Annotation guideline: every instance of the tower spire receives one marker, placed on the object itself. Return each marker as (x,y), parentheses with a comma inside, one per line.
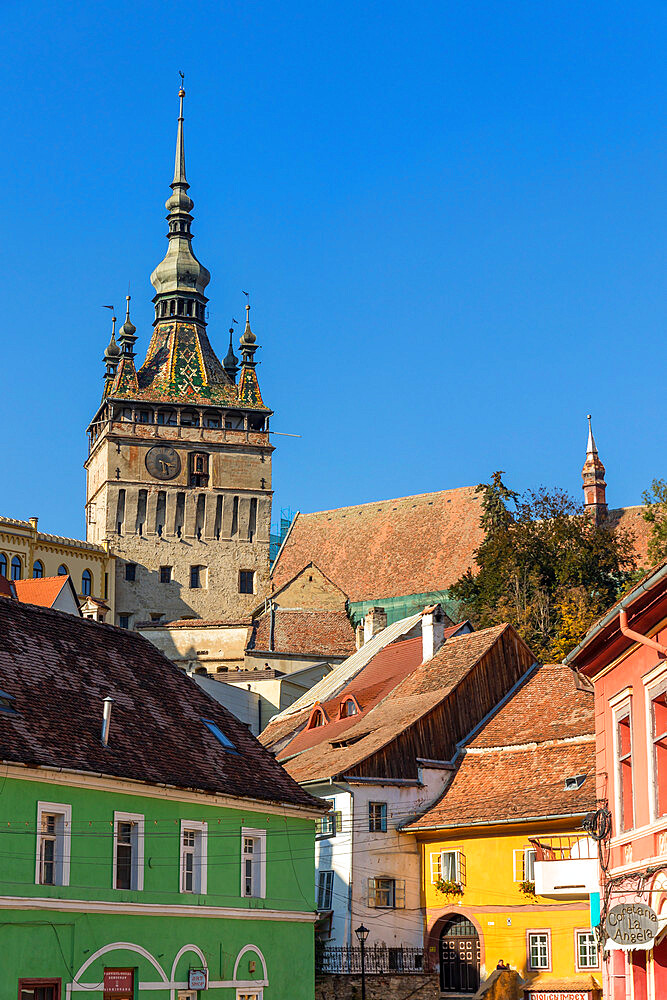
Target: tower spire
(179,280)
(231,362)
(594,485)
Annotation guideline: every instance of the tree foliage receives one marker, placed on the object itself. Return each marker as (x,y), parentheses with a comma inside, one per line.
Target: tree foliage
(656,514)
(544,566)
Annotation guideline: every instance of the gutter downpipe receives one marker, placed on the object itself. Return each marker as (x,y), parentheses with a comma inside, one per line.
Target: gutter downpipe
(637,636)
(649,584)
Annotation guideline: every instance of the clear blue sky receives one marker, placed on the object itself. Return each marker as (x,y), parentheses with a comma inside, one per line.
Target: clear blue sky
(451,218)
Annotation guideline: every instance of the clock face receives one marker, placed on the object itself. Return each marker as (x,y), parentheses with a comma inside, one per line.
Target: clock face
(163,462)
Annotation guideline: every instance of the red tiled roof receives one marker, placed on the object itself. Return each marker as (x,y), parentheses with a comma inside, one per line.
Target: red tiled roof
(60,667)
(196,623)
(377,679)
(412,545)
(306,631)
(516,765)
(42,592)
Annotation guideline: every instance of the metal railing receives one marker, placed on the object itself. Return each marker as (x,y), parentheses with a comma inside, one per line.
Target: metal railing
(377,959)
(571,847)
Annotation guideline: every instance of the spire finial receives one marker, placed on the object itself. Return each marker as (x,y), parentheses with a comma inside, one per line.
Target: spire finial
(179,165)
(231,362)
(591,448)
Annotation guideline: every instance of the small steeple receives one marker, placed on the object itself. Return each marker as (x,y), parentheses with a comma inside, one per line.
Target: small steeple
(111,358)
(127,331)
(248,342)
(594,485)
(231,362)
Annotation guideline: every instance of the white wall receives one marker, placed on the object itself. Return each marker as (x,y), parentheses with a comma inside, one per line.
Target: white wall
(242,703)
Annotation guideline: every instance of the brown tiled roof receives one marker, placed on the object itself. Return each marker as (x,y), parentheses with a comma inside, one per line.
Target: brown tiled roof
(547,706)
(412,545)
(43,591)
(424,688)
(631,519)
(306,631)
(516,765)
(60,667)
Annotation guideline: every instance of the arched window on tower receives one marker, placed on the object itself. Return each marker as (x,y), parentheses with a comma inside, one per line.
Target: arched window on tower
(167,417)
(16,568)
(63,570)
(86,583)
(3,564)
(37,569)
(189,418)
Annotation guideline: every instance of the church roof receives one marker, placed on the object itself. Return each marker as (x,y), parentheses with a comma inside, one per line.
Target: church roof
(412,545)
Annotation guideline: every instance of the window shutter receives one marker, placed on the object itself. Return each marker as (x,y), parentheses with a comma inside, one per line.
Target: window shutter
(461,867)
(435,866)
(338,821)
(372,897)
(399,893)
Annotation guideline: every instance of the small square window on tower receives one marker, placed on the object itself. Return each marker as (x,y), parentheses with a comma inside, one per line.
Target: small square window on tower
(246,581)
(165,574)
(130,571)
(198,468)
(197,577)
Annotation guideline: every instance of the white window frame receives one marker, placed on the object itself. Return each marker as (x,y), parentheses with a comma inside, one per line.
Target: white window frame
(199,875)
(520,855)
(621,706)
(260,837)
(436,864)
(63,852)
(655,684)
(326,890)
(591,933)
(249,994)
(541,932)
(137,849)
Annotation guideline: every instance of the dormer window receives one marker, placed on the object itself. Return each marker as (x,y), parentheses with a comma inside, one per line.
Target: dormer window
(348,707)
(317,718)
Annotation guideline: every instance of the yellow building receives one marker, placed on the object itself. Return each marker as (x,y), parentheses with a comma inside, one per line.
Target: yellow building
(26,553)
(506,867)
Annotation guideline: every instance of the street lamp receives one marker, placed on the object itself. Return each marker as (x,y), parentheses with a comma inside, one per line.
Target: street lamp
(362,933)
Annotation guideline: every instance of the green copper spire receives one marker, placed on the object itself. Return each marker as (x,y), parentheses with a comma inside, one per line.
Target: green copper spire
(180,276)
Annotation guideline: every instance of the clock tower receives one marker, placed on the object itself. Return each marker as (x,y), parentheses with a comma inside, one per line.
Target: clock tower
(179,463)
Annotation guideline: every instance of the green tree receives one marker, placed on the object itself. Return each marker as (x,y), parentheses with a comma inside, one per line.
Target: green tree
(656,515)
(544,566)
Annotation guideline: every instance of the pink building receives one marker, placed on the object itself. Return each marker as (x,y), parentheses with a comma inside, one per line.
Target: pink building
(624,655)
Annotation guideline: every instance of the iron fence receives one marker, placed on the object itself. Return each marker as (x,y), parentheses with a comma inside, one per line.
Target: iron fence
(378,959)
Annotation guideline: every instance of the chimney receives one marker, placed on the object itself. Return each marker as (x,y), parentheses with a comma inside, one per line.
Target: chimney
(374,622)
(359,635)
(433,631)
(106,720)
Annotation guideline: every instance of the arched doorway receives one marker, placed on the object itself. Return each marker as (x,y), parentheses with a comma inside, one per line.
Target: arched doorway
(459,956)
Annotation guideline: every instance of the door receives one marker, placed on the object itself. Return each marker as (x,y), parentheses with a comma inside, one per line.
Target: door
(459,956)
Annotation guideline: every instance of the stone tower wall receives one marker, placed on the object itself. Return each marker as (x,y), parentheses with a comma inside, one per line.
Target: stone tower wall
(225,525)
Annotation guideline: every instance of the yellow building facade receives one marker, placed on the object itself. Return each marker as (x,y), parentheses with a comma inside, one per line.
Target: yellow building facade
(507,869)
(26,553)
(544,939)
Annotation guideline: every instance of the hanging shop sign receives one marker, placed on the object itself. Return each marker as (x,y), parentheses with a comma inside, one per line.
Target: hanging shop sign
(198,979)
(631,927)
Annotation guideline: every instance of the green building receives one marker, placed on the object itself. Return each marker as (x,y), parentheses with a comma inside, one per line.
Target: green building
(150,846)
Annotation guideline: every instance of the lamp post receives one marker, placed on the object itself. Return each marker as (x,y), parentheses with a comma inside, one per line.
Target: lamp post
(362,933)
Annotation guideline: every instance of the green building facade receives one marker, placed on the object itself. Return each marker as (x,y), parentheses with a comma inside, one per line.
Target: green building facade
(63,938)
